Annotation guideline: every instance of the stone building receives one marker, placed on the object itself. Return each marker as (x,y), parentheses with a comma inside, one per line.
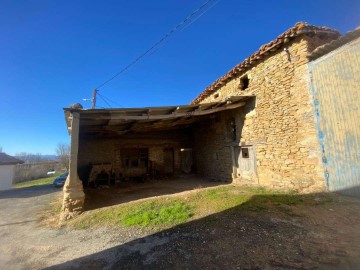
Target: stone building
(278,131)
(255,125)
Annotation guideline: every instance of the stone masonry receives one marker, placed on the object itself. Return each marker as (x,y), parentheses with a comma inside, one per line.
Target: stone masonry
(281,127)
(109,150)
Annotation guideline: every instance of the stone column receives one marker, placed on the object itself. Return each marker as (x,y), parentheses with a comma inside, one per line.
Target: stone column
(73,189)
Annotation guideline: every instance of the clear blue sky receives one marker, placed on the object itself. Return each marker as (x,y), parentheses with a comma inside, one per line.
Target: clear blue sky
(53,53)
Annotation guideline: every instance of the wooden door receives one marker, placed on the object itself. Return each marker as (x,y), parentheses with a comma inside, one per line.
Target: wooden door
(244,161)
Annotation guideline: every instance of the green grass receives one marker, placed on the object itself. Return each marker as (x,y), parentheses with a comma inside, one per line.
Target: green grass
(152,213)
(218,199)
(168,211)
(37,182)
(247,198)
(217,193)
(157,213)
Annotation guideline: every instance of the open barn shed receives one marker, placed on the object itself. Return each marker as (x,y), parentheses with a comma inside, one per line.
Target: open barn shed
(111,146)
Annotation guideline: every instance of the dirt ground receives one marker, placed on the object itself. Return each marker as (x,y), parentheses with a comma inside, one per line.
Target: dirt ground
(323,236)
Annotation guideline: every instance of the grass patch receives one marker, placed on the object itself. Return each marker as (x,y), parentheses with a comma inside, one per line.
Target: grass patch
(165,212)
(258,190)
(37,182)
(217,193)
(153,213)
(156,213)
(244,197)
(218,199)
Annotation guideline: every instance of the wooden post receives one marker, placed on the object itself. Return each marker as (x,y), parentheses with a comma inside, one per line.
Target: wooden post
(93,100)
(73,189)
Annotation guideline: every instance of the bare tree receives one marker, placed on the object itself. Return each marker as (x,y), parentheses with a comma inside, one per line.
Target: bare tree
(63,153)
(1,150)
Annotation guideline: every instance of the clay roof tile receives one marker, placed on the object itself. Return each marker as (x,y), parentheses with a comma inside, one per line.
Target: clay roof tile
(300,28)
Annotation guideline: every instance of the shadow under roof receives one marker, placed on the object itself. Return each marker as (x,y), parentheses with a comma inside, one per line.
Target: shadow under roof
(120,121)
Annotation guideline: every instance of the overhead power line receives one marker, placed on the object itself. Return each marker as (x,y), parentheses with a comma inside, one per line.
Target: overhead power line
(167,35)
(103,98)
(108,101)
(198,17)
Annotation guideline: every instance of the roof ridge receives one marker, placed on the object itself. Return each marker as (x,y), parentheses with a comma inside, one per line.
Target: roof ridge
(6,159)
(334,44)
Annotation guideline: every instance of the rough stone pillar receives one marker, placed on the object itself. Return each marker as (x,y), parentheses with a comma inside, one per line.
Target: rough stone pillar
(73,189)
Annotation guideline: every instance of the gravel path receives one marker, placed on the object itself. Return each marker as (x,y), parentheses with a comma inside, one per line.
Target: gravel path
(25,244)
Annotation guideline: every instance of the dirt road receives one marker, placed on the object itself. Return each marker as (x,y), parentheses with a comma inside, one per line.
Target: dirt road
(326,236)
(25,244)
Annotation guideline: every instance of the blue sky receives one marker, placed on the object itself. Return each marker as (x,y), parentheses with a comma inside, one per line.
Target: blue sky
(53,53)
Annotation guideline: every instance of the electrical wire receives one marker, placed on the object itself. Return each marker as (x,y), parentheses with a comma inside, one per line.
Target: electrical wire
(104,99)
(160,46)
(198,17)
(110,100)
(156,43)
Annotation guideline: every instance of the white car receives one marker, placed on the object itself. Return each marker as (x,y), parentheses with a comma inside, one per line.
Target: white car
(51,172)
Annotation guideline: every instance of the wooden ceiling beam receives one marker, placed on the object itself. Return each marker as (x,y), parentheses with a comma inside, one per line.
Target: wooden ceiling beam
(219,107)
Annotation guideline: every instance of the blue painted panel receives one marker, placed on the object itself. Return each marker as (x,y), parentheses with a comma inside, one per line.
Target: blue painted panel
(335,85)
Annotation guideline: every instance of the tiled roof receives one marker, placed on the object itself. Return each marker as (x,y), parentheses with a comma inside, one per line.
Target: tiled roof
(324,49)
(9,160)
(300,28)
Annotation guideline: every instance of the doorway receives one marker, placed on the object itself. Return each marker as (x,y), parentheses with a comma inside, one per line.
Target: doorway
(245,165)
(186,160)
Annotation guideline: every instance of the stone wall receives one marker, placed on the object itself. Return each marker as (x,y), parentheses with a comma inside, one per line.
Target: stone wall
(213,142)
(281,127)
(108,150)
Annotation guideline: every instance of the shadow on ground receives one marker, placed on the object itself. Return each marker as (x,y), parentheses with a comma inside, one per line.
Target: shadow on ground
(18,223)
(266,232)
(126,192)
(28,192)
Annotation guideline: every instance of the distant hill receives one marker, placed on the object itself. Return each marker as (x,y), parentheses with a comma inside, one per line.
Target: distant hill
(50,157)
(33,158)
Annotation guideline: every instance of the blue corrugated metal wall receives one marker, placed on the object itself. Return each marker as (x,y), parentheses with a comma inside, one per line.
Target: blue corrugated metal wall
(335,83)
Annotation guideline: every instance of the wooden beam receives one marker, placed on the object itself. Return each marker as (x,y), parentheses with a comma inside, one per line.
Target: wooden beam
(219,107)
